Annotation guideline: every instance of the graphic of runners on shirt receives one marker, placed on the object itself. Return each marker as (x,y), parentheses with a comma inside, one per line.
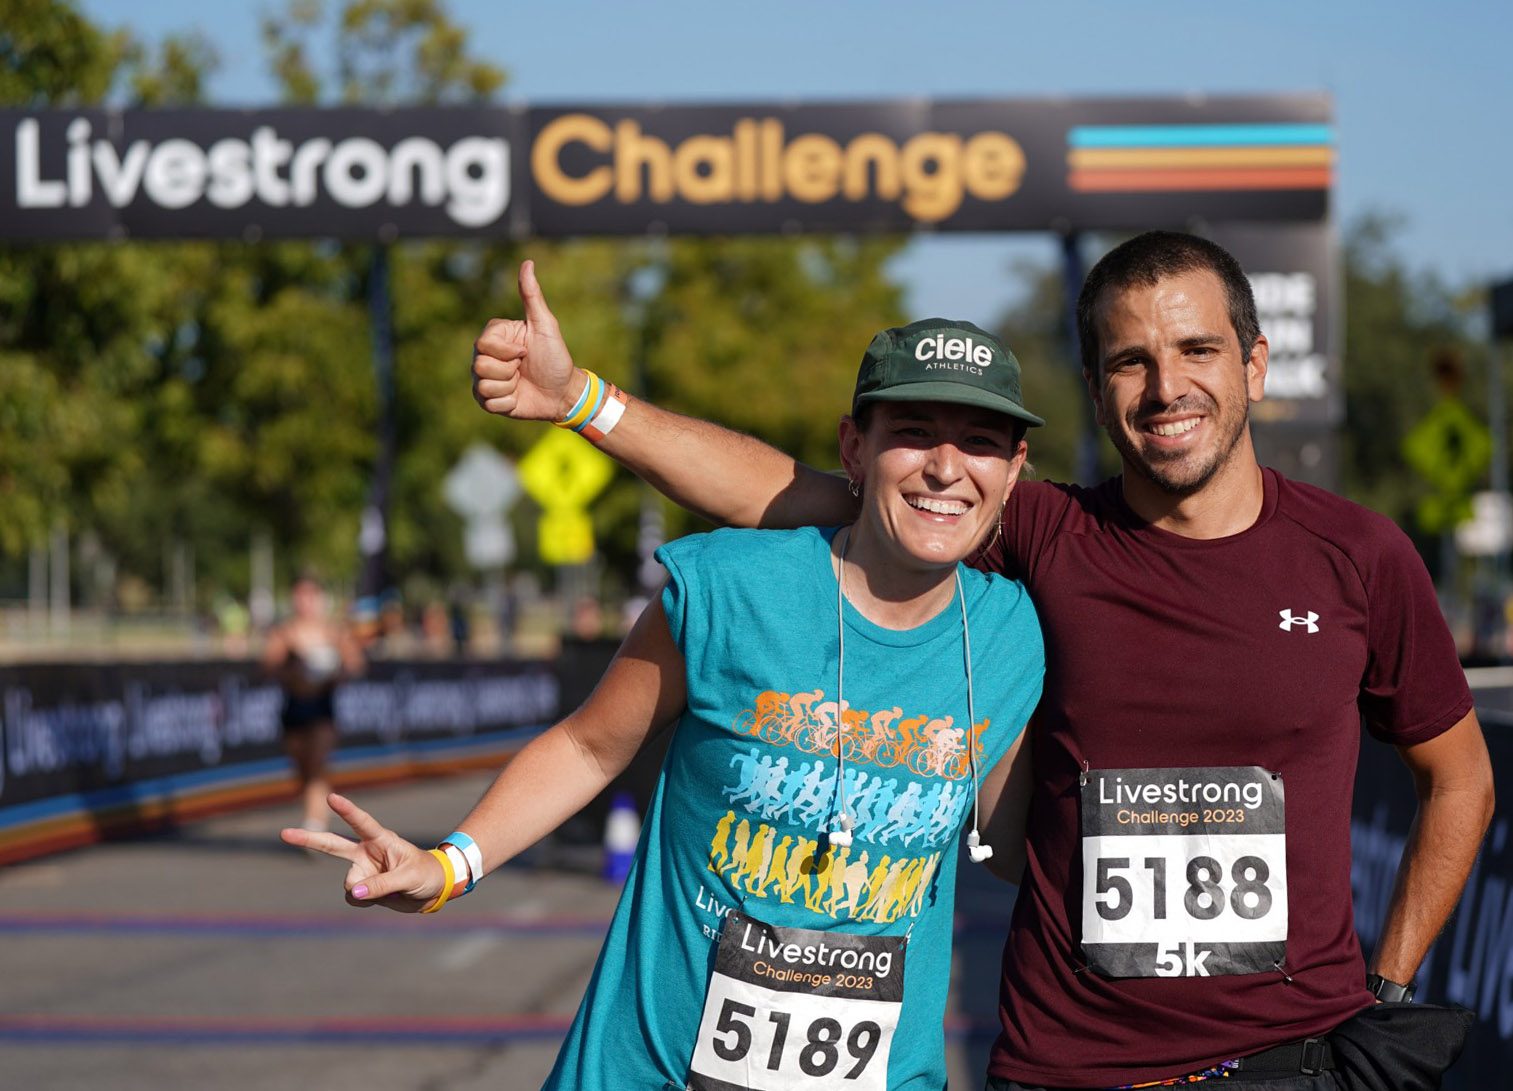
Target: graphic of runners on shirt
(906,785)
(841,883)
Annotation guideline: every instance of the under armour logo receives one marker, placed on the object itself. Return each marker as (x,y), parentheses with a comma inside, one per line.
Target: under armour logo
(1309,619)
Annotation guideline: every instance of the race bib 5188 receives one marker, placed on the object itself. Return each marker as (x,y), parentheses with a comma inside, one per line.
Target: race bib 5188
(1184,871)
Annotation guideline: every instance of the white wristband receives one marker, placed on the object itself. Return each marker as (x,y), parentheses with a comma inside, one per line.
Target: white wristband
(471,854)
(464,880)
(608,416)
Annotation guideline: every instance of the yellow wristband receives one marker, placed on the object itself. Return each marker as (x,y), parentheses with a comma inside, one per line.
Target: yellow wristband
(593,394)
(449,880)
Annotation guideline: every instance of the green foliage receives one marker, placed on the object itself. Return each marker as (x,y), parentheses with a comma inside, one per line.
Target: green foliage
(196,394)
(765,335)
(153,395)
(1035,329)
(388,52)
(1396,323)
(95,424)
(50,55)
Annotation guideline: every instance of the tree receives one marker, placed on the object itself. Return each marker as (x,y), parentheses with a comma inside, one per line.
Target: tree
(84,396)
(765,335)
(192,395)
(1035,329)
(1397,321)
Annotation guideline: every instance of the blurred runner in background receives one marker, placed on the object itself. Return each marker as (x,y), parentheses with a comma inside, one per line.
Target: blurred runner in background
(308,654)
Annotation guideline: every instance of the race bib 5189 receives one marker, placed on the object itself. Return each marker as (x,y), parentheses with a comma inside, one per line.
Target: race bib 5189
(794,1009)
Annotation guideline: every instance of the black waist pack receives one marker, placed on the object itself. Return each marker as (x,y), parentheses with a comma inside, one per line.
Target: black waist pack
(1399,1047)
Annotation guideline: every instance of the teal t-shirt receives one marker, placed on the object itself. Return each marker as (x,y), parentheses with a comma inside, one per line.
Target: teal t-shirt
(749,787)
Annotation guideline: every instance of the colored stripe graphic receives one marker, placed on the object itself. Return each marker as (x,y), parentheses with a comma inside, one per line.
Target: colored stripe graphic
(1166,180)
(1196,136)
(400,1031)
(1290,156)
(232,1030)
(293,926)
(1194,158)
(315,926)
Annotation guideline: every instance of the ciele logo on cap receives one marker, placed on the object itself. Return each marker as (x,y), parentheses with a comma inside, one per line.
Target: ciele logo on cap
(966,350)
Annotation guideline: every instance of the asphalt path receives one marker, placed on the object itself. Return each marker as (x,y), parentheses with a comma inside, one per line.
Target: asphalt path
(219,957)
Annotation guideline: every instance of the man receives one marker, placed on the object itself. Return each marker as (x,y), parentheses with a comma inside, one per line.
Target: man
(1215,635)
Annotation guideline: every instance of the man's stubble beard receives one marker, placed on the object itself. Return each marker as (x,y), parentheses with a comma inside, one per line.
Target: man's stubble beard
(1171,484)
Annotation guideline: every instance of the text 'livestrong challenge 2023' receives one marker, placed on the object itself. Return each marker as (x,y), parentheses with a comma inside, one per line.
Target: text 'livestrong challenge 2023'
(798,1008)
(1184,871)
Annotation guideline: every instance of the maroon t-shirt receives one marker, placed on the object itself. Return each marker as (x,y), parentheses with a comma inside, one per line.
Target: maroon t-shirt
(1265,649)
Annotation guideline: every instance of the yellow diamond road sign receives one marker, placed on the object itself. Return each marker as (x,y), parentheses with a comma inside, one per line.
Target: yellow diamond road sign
(1450,449)
(565,536)
(563,471)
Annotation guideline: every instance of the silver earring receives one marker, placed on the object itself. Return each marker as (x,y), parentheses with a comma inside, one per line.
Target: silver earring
(855,487)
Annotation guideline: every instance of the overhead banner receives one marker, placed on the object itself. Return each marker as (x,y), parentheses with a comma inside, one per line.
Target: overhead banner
(629,169)
(251,174)
(960,166)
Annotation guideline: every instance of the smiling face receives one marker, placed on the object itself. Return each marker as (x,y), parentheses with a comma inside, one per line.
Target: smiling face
(935,477)
(1172,386)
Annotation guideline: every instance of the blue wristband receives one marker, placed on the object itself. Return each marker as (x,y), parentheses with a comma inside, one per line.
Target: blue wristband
(577,406)
(470,852)
(594,412)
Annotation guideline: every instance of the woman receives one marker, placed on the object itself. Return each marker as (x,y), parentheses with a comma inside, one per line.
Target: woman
(790,906)
(308,655)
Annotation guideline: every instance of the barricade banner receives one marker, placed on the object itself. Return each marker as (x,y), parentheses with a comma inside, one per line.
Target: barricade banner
(1471,964)
(88,750)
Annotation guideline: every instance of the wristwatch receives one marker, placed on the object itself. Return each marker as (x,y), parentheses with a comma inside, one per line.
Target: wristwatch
(1390,992)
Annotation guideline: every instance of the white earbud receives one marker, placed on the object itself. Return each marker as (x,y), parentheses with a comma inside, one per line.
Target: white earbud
(977,852)
(841,834)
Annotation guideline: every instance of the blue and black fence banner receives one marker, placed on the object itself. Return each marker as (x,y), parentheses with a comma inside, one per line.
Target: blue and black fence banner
(91,751)
(1471,964)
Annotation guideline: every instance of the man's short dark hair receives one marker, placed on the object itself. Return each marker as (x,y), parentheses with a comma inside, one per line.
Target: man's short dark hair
(1152,257)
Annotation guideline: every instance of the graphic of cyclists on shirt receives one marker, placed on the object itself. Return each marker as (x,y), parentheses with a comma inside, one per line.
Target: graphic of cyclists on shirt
(932,746)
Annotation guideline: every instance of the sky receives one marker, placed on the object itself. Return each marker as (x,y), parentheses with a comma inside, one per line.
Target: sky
(1421,92)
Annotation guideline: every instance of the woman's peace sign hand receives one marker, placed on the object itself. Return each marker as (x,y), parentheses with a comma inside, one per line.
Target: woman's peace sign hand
(384,869)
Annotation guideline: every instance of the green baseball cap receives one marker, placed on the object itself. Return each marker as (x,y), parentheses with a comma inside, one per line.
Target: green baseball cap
(940,360)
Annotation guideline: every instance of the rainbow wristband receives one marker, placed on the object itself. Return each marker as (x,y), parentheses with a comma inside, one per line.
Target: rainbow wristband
(471,853)
(449,879)
(588,404)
